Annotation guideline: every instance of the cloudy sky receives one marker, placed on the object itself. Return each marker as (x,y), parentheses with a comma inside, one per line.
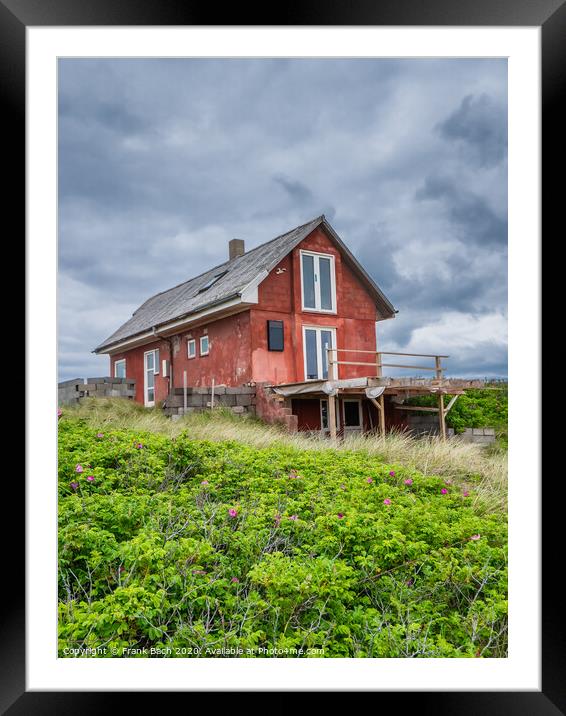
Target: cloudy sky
(161,162)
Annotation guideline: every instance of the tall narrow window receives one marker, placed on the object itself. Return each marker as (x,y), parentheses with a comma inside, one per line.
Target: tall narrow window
(318,282)
(325,268)
(120,368)
(309,298)
(204,345)
(149,378)
(311,351)
(316,342)
(191,348)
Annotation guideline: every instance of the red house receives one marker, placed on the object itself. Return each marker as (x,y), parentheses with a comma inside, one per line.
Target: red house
(266,316)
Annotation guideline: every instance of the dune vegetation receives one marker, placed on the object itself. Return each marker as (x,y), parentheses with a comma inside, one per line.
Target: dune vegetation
(215,535)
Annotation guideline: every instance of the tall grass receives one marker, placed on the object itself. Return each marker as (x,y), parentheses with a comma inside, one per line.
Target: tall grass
(466,464)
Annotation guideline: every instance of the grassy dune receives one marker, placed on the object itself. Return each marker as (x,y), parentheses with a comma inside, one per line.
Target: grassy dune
(217,536)
(454,459)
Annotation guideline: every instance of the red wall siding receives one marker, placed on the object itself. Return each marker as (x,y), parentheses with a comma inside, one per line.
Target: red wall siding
(229,358)
(134,368)
(307,412)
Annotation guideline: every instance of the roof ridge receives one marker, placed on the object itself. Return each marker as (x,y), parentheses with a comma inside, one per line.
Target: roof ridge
(230,261)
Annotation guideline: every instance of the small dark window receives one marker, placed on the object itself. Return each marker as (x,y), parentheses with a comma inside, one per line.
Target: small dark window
(275,335)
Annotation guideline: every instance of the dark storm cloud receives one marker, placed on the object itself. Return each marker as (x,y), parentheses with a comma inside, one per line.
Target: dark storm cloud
(480,126)
(162,162)
(469,213)
(296,190)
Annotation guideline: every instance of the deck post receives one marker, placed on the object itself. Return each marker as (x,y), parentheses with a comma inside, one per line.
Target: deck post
(441,416)
(438,366)
(332,363)
(382,414)
(332,416)
(378,364)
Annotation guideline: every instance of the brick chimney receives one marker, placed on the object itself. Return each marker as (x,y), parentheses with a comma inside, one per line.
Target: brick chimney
(236,248)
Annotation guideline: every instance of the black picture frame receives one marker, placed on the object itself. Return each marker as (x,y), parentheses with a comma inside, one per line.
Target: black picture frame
(550,15)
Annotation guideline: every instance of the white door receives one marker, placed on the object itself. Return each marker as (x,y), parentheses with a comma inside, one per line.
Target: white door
(352,415)
(149,379)
(315,344)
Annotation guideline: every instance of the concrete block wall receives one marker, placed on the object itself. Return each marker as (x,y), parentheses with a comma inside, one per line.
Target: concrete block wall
(72,391)
(240,400)
(483,436)
(428,424)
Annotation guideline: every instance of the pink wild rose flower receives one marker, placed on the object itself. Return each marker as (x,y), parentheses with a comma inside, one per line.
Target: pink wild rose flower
(232,512)
(386,501)
(408,481)
(90,478)
(444,491)
(79,468)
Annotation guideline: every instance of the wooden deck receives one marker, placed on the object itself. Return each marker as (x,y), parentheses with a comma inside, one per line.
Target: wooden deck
(375,387)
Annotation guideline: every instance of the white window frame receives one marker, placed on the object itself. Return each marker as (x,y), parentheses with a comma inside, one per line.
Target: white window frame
(146,402)
(116,364)
(318,330)
(354,428)
(317,308)
(337,413)
(194,355)
(201,339)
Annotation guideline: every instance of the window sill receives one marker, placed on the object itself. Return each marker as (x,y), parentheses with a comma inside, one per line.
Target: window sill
(319,310)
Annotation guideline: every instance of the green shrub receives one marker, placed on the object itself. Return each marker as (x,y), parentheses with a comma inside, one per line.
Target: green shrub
(474,409)
(195,548)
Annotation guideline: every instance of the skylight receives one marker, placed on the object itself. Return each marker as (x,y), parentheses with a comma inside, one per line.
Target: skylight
(211,282)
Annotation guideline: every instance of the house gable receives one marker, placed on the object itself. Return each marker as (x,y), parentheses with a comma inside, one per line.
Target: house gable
(280,298)
(232,285)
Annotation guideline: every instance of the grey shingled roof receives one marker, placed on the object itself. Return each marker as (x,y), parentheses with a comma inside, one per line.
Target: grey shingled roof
(185,299)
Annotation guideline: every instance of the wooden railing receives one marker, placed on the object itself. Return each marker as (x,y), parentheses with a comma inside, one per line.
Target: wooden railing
(378,364)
